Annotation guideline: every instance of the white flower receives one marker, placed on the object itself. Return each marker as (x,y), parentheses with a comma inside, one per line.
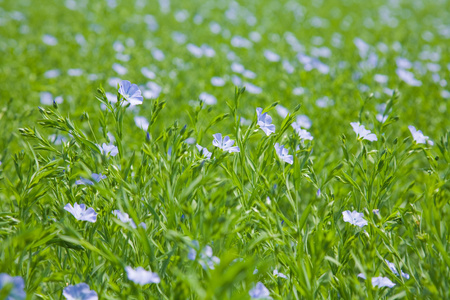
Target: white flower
(148,73)
(153,90)
(381,118)
(121,70)
(278,274)
(321,52)
(408,77)
(46,98)
(259,292)
(109,149)
(52,73)
(151,22)
(249,74)
(49,40)
(237,67)
(382,282)
(303,121)
(403,63)
(288,67)
(217,81)
(141,122)
(190,140)
(362,46)
(354,218)
(283,154)
(236,80)
(215,27)
(226,144)
(264,122)
(324,102)
(252,89)
(75,72)
(118,46)
(380,78)
(271,56)
(114,81)
(255,36)
(141,276)
(80,212)
(158,54)
(419,137)
(208,51)
(195,50)
(130,92)
(282,111)
(298,91)
(204,151)
(123,57)
(240,42)
(362,132)
(111,97)
(208,98)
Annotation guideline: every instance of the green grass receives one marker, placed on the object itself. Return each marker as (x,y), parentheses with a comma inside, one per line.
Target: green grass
(254,210)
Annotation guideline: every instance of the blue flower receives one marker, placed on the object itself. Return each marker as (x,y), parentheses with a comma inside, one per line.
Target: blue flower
(84,181)
(278,274)
(206,259)
(226,144)
(382,282)
(264,122)
(125,218)
(141,276)
(363,133)
(80,213)
(98,177)
(354,218)
(303,134)
(283,154)
(259,292)
(394,270)
(109,149)
(17,286)
(131,92)
(80,291)
(204,151)
(361,275)
(419,137)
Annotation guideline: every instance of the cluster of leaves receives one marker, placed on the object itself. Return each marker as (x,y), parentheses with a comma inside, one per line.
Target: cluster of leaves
(251,208)
(254,210)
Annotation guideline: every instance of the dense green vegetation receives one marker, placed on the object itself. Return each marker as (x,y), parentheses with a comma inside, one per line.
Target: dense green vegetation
(229,225)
